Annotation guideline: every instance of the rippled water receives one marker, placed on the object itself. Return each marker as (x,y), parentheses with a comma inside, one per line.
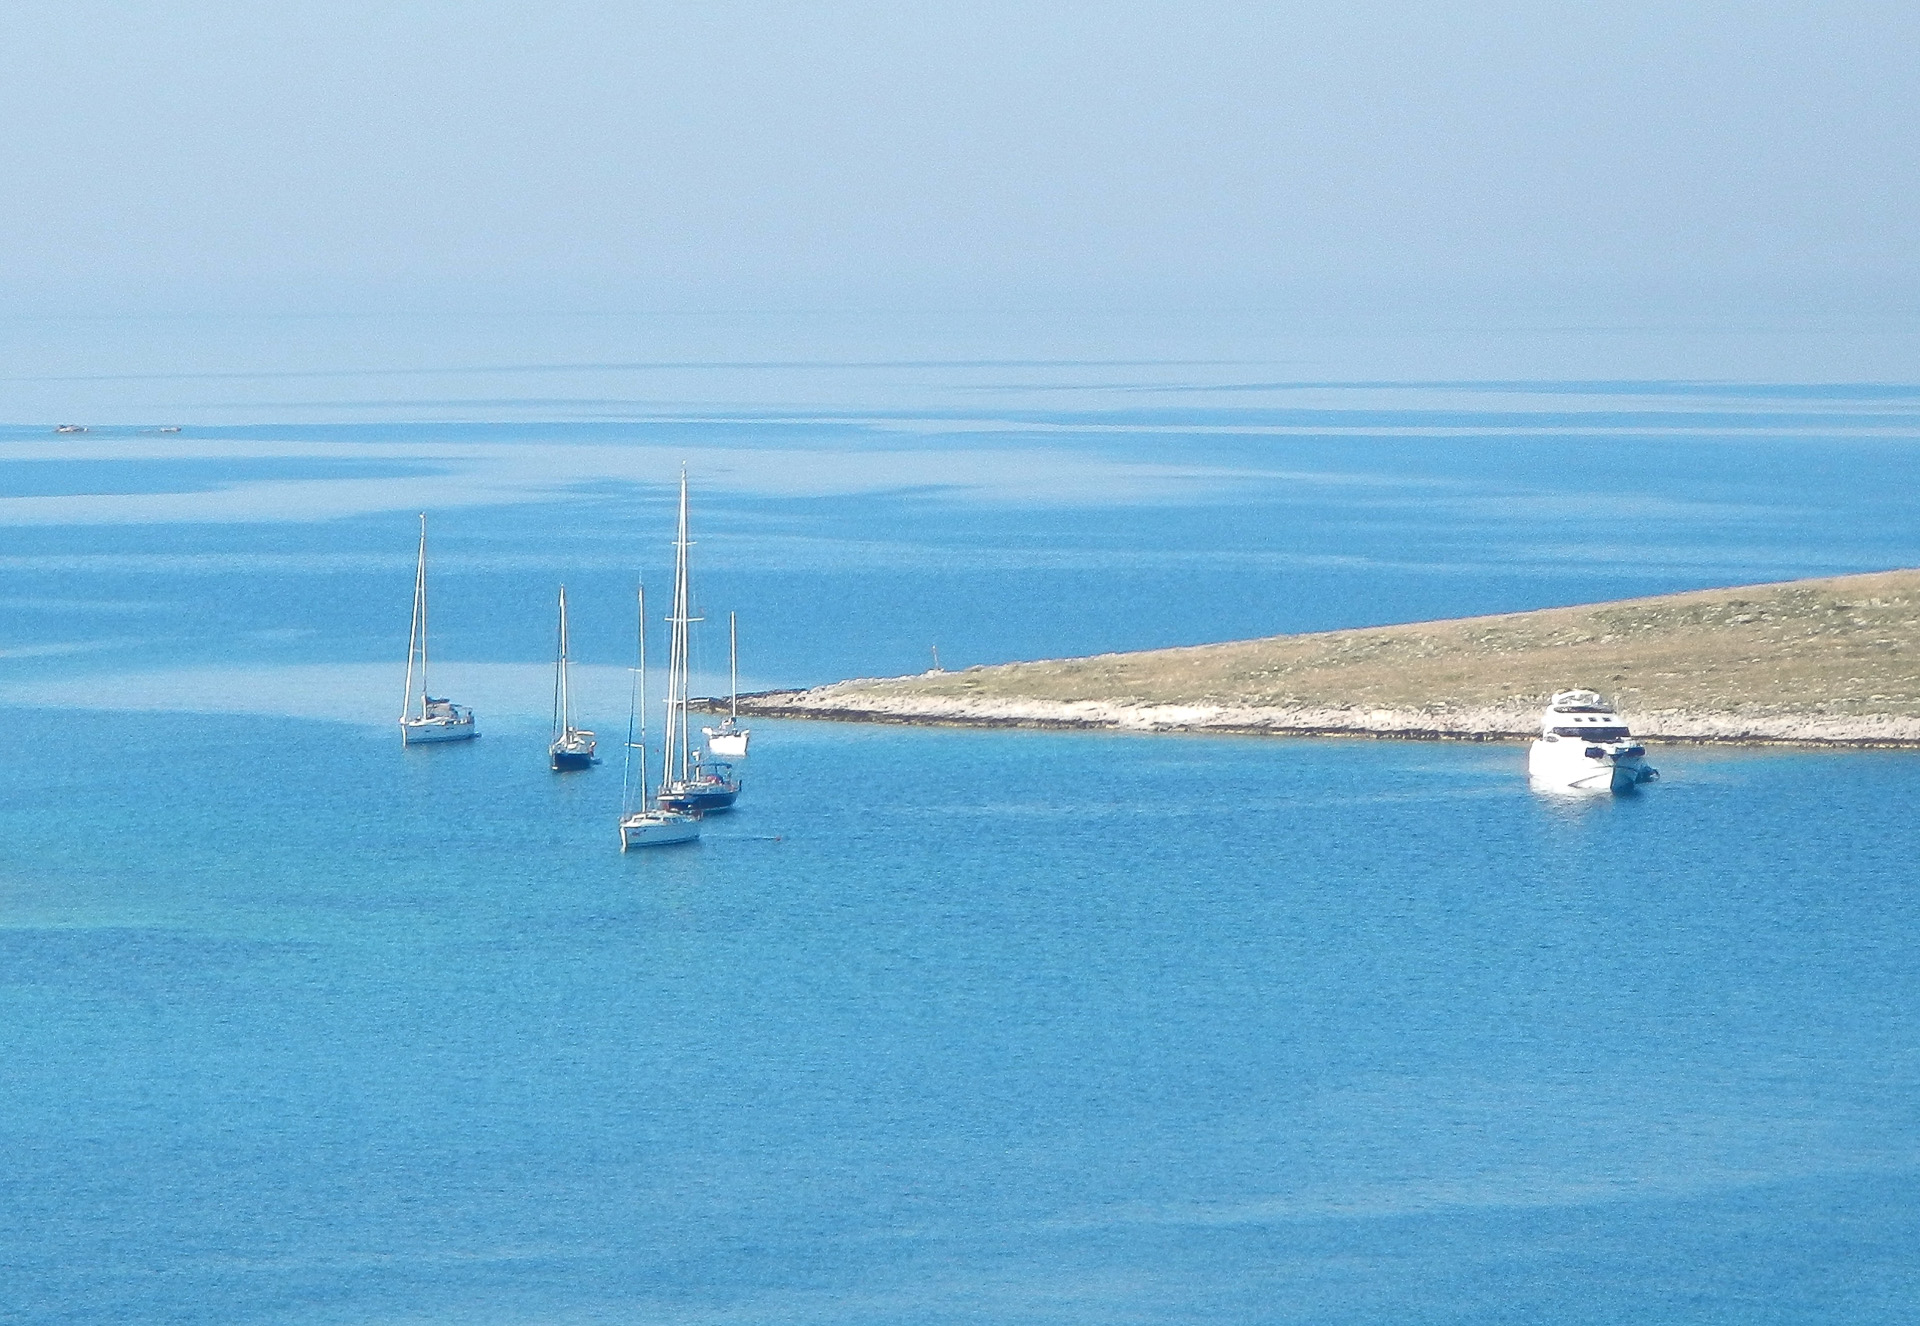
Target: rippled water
(941,1026)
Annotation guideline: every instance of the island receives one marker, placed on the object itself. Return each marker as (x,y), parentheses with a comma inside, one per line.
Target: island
(1831,662)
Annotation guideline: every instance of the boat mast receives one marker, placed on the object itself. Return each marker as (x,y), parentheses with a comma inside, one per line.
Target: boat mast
(637,713)
(562,708)
(733,664)
(422,574)
(675,742)
(642,648)
(417,633)
(687,761)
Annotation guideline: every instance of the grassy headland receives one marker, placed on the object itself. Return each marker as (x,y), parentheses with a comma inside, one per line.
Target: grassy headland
(1833,661)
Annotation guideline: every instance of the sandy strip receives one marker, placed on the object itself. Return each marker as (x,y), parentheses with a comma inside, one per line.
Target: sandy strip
(851,702)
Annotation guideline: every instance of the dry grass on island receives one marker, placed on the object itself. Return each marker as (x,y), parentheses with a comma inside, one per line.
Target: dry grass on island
(1817,661)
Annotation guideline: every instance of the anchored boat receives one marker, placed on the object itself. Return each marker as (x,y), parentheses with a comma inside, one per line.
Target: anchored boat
(436,719)
(1584,746)
(640,824)
(730,739)
(572,746)
(688,782)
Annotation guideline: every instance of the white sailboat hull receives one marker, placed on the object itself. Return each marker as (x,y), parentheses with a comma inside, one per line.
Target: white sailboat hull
(730,744)
(424,731)
(654,828)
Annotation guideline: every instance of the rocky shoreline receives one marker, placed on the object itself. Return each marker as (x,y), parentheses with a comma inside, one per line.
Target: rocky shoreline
(1827,662)
(850,702)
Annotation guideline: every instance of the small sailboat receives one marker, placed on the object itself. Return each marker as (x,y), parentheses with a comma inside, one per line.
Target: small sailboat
(640,824)
(572,746)
(687,781)
(730,739)
(436,719)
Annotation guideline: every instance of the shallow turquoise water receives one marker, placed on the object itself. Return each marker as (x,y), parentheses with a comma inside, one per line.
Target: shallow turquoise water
(941,1026)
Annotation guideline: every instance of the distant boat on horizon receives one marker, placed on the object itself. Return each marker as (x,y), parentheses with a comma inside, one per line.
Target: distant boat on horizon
(687,782)
(572,747)
(437,720)
(642,825)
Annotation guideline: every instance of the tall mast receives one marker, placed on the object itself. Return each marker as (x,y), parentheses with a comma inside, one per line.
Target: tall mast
(675,743)
(686,633)
(641,591)
(422,577)
(637,712)
(733,663)
(562,708)
(417,632)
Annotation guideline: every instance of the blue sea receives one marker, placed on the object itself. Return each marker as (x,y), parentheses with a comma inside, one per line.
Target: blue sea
(941,1026)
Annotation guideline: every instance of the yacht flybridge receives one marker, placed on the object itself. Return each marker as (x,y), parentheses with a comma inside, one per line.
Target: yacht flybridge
(572,747)
(1584,746)
(434,719)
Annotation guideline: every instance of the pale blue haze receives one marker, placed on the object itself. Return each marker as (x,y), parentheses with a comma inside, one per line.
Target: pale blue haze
(1654,161)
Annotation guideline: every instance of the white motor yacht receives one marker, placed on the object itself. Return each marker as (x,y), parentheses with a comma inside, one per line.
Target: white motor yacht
(1584,746)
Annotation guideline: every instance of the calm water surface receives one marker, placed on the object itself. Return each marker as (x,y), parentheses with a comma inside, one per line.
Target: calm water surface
(953,1026)
(300,1027)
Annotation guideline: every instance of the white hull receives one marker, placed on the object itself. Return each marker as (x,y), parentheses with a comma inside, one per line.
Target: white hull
(1563,766)
(730,744)
(424,731)
(653,828)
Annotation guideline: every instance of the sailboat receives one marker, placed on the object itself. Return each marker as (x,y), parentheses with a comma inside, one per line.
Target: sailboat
(641,825)
(436,719)
(687,782)
(572,747)
(730,739)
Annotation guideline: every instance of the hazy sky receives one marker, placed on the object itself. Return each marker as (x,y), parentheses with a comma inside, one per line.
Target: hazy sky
(737,155)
